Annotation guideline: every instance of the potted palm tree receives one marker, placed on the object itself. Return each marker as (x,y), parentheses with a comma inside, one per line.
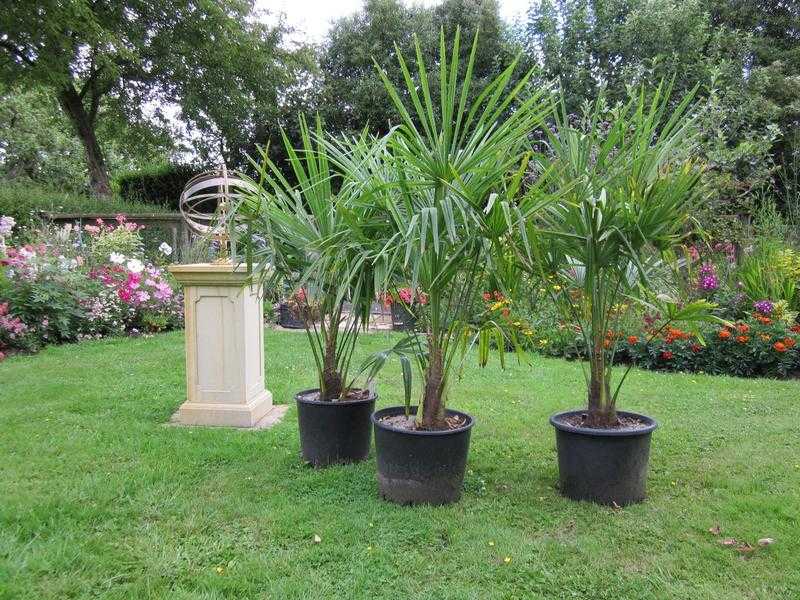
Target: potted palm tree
(298,222)
(627,188)
(446,162)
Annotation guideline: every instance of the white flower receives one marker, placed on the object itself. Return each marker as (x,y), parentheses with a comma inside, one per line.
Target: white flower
(165,249)
(6,225)
(135,265)
(117,258)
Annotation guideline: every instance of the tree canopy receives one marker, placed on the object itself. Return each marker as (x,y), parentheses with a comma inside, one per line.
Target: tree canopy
(223,67)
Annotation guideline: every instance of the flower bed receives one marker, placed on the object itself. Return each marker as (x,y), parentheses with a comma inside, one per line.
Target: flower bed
(74,284)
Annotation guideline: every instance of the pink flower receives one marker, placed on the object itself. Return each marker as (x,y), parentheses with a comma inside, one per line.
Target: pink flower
(163,291)
(133,281)
(120,219)
(142,296)
(125,295)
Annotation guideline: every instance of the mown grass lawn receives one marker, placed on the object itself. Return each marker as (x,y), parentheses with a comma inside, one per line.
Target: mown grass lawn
(99,499)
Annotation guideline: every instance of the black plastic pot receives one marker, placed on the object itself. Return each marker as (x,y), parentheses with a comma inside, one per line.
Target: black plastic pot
(287,319)
(402,318)
(607,466)
(420,467)
(334,432)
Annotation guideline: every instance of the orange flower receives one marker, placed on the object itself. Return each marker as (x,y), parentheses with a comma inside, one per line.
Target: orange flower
(789,342)
(779,346)
(724,334)
(696,347)
(506,312)
(743,328)
(607,344)
(632,339)
(795,329)
(743,339)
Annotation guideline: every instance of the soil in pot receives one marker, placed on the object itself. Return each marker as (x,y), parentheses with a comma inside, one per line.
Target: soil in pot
(607,466)
(335,432)
(420,466)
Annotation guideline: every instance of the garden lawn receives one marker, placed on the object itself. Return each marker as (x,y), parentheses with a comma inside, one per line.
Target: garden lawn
(99,498)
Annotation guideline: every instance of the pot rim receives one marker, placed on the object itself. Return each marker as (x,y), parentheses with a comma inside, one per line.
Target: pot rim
(393,409)
(299,399)
(652,424)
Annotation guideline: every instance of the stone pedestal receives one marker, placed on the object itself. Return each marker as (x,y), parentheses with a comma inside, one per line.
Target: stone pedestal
(224,347)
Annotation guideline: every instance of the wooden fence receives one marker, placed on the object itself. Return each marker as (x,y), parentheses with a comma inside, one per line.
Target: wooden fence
(177,234)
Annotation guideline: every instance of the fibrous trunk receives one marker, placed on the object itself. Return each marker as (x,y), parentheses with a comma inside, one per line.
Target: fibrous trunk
(432,405)
(331,384)
(601,411)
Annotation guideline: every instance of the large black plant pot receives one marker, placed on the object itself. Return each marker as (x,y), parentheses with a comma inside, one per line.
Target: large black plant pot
(607,466)
(287,318)
(420,467)
(334,432)
(402,318)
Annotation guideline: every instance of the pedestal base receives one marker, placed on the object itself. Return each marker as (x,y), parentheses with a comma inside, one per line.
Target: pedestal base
(225,415)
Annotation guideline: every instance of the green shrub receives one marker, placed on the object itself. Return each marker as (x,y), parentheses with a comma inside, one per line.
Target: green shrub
(160,185)
(772,272)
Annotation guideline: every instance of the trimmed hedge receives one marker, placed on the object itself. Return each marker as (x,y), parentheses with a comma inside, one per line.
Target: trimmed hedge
(160,185)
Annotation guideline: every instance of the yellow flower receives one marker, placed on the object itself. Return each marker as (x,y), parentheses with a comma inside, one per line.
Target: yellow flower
(557,288)
(496,306)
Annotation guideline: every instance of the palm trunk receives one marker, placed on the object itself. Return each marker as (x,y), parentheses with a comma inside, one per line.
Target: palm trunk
(601,413)
(72,103)
(331,384)
(432,405)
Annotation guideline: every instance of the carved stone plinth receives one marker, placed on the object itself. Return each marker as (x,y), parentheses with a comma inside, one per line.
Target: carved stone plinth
(224,347)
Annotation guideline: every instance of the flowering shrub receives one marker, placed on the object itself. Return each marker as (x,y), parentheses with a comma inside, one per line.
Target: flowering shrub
(106,239)
(405,295)
(61,289)
(754,347)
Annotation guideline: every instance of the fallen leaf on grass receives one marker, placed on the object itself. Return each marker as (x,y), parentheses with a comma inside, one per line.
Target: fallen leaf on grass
(728,542)
(765,541)
(715,530)
(744,548)
(317,539)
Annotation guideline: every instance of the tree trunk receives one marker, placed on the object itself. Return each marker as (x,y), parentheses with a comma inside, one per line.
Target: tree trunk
(331,378)
(600,414)
(84,124)
(432,408)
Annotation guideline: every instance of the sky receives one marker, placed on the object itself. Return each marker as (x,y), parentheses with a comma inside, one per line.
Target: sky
(312,18)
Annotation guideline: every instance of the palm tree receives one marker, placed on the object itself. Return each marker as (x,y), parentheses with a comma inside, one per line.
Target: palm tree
(299,224)
(444,167)
(627,191)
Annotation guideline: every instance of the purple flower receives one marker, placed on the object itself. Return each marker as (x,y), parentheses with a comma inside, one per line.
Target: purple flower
(764,307)
(707,278)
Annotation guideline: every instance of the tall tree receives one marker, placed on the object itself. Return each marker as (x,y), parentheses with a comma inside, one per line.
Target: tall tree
(113,56)
(353,95)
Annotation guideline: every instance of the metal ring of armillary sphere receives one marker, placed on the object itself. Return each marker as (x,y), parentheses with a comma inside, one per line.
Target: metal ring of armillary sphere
(206,201)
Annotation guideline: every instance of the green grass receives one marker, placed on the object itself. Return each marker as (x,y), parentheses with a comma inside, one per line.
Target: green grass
(99,499)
